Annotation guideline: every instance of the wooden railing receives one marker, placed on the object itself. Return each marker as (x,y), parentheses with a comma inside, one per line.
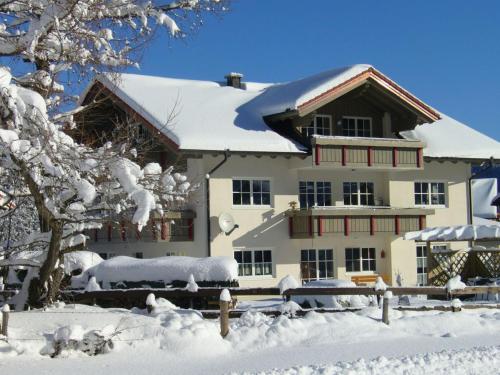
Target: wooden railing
(317,222)
(173,227)
(381,153)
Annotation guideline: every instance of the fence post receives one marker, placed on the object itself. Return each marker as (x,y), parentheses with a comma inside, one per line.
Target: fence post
(385,307)
(225,299)
(5,319)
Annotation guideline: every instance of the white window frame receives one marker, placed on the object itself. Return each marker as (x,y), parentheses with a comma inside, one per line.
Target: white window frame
(361,259)
(358,193)
(356,127)
(314,126)
(315,192)
(317,263)
(253,263)
(423,275)
(443,246)
(252,205)
(429,194)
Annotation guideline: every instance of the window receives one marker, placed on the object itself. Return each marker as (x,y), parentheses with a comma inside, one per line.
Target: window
(359,194)
(320,125)
(422,262)
(429,194)
(357,126)
(139,255)
(103,255)
(170,254)
(315,193)
(360,259)
(251,192)
(254,262)
(316,264)
(421,265)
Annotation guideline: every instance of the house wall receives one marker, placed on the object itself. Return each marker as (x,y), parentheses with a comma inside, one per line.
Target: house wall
(267,227)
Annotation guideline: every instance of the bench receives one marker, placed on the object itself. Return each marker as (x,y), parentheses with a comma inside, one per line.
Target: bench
(368,279)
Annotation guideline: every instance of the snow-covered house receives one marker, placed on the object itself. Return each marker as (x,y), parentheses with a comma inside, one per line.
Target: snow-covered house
(318,178)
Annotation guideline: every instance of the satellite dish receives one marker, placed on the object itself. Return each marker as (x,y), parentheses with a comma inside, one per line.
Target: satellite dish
(226,223)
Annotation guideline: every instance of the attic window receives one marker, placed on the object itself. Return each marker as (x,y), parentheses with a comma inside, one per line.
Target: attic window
(357,126)
(320,125)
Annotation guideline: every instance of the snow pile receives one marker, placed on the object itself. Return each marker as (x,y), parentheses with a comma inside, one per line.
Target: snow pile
(379,284)
(288,282)
(459,232)
(482,360)
(191,284)
(166,269)
(455,283)
(331,301)
(290,308)
(80,260)
(193,345)
(456,303)
(93,285)
(225,296)
(67,333)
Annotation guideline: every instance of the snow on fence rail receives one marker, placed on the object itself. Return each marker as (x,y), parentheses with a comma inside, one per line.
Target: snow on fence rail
(215,292)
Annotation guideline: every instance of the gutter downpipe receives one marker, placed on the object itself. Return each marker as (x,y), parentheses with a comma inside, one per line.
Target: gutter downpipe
(209,229)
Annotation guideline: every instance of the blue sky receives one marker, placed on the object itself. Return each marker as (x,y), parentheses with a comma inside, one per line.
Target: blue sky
(446,52)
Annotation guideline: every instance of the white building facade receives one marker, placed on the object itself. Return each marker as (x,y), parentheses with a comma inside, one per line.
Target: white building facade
(322,176)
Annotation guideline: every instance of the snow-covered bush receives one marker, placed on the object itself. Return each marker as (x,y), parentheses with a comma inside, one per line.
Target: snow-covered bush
(74,338)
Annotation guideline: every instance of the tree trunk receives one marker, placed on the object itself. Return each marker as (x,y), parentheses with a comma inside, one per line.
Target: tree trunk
(43,288)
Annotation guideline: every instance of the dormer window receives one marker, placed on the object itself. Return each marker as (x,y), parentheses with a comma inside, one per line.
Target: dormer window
(320,125)
(357,126)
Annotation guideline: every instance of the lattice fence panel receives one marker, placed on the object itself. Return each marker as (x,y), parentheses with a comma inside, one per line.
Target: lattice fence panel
(490,261)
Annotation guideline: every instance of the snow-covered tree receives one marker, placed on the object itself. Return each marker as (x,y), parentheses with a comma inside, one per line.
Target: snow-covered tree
(72,186)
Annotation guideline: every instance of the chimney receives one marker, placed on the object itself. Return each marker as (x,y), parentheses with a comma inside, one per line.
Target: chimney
(234,80)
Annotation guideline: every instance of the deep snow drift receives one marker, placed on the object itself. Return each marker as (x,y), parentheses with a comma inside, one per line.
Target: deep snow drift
(176,341)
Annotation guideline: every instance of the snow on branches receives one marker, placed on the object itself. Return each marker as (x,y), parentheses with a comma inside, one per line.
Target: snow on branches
(84,35)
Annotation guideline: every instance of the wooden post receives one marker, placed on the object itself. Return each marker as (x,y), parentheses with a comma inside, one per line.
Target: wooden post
(373,225)
(420,158)
(224,300)
(344,155)
(320,226)
(395,157)
(317,154)
(385,309)
(5,319)
(347,226)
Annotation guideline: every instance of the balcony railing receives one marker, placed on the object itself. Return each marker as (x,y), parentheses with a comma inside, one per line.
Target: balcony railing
(175,226)
(331,221)
(381,153)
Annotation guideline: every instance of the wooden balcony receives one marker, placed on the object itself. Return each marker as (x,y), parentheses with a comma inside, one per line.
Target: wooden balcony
(370,153)
(174,226)
(344,221)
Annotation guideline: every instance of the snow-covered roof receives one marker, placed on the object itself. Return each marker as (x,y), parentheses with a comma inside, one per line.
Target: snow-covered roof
(210,116)
(281,97)
(202,115)
(456,233)
(449,138)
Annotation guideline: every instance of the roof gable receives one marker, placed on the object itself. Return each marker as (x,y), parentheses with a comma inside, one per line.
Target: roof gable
(310,93)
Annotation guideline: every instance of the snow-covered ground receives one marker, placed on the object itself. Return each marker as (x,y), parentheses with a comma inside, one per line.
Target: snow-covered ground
(174,341)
